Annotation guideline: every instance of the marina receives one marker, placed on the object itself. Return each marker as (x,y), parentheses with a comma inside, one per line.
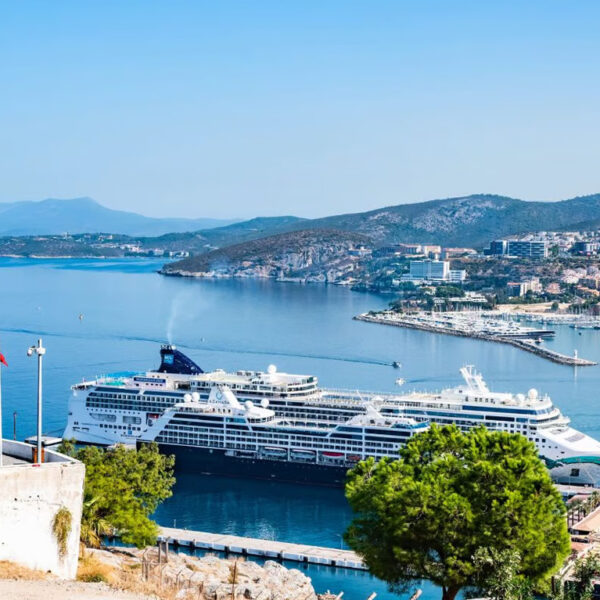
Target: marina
(232,544)
(478,327)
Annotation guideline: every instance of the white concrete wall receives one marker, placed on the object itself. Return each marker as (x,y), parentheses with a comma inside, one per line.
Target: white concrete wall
(30,497)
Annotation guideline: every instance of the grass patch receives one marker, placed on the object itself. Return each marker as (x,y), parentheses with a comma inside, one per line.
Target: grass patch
(92,570)
(10,570)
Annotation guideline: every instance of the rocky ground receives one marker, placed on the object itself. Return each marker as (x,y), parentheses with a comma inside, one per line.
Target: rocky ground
(130,574)
(211,577)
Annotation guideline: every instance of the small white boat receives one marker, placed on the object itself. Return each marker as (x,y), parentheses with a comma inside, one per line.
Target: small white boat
(400,381)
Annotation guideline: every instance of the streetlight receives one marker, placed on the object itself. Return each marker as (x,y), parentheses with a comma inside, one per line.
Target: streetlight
(39,350)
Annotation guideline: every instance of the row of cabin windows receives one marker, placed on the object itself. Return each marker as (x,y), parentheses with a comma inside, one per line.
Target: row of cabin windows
(218,442)
(126,427)
(232,433)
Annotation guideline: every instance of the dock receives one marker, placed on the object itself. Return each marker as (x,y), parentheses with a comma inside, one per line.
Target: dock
(270,549)
(527,345)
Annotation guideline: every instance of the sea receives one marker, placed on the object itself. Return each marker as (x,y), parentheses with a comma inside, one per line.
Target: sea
(97,317)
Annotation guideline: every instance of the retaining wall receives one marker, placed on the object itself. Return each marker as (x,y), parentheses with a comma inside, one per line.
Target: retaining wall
(30,497)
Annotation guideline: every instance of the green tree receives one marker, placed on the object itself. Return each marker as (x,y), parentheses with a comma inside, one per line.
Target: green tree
(450,494)
(123,487)
(449,291)
(580,585)
(497,575)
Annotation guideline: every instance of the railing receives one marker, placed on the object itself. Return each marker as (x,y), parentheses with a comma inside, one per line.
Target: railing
(579,510)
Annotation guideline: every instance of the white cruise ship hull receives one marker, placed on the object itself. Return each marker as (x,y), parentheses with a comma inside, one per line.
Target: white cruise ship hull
(123,409)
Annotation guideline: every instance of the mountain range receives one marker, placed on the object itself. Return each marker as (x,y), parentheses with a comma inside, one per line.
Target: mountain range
(84,215)
(466,221)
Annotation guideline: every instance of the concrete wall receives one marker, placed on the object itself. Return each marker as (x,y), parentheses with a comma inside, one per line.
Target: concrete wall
(30,497)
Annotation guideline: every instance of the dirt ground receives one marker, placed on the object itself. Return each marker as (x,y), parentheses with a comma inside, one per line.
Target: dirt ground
(542,307)
(62,590)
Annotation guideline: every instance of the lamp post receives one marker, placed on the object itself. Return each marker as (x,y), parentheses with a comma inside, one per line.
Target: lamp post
(38,350)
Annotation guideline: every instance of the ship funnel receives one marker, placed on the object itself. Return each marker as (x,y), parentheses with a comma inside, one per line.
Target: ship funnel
(175,361)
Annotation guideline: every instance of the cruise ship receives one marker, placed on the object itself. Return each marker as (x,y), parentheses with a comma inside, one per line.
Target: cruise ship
(222,436)
(124,408)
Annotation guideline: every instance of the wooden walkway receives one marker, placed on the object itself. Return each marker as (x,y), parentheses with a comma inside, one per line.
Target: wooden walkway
(263,548)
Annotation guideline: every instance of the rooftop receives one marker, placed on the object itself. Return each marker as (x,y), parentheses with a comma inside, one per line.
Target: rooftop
(7,460)
(19,454)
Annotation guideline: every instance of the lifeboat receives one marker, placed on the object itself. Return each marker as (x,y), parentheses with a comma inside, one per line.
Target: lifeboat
(303,453)
(275,452)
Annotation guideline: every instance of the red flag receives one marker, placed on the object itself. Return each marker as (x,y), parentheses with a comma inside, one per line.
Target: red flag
(3,360)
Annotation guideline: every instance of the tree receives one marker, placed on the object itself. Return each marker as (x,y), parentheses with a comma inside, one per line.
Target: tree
(450,494)
(449,291)
(497,575)
(580,585)
(123,487)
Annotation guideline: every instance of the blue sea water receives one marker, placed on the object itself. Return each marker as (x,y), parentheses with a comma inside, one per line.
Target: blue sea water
(128,309)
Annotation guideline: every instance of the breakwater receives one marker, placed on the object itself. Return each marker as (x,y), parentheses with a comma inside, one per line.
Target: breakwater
(527,345)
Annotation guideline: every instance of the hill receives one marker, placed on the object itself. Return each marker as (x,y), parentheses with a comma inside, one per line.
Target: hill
(84,215)
(209,239)
(313,255)
(466,221)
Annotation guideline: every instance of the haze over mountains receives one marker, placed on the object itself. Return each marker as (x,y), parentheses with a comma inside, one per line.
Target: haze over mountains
(84,215)
(467,221)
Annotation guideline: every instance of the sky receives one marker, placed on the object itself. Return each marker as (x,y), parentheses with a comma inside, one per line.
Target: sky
(237,109)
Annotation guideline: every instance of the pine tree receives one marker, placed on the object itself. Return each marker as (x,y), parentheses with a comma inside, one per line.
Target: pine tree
(450,494)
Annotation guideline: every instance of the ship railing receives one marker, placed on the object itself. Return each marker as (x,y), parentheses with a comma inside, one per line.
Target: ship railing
(360,394)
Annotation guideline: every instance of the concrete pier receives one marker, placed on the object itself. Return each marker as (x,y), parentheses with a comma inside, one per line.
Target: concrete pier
(528,346)
(262,548)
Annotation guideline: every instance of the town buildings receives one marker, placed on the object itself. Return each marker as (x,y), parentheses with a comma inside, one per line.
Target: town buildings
(433,271)
(520,288)
(536,249)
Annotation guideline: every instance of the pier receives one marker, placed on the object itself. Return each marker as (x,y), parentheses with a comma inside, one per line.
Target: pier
(270,549)
(527,345)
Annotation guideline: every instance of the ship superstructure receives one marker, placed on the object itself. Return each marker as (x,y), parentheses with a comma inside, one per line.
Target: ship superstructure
(223,436)
(122,409)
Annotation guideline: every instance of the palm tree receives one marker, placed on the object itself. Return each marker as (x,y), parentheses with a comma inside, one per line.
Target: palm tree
(93,526)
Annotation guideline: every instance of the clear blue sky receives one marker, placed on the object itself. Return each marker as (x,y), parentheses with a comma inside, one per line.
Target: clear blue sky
(235,109)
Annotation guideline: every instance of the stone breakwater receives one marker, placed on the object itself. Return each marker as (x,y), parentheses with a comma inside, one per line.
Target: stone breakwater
(208,577)
(527,345)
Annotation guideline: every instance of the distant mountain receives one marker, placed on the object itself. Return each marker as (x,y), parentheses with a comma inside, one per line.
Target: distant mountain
(84,215)
(209,239)
(466,221)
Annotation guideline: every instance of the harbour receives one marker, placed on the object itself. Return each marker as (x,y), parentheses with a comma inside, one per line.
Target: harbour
(222,324)
(462,325)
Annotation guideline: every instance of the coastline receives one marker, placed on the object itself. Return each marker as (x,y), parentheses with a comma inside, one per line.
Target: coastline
(257,277)
(528,346)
